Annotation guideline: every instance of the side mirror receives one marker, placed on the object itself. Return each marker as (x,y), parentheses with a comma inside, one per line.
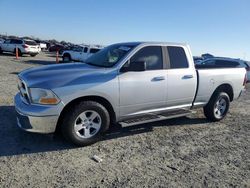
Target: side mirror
(135,66)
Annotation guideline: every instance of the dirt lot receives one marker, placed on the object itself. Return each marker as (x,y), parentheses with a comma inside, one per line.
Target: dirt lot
(181,152)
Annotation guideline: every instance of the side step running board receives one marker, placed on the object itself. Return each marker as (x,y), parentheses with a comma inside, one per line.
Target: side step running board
(148,118)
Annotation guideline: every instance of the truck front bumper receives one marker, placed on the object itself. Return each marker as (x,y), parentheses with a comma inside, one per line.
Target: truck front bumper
(36,118)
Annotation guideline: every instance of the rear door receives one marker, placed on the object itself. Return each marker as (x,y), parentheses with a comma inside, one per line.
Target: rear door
(83,55)
(182,78)
(146,90)
(76,53)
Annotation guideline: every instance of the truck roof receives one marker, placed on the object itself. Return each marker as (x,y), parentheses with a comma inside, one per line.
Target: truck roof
(154,43)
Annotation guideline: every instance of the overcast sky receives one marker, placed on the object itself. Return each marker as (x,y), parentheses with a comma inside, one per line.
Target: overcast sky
(220,27)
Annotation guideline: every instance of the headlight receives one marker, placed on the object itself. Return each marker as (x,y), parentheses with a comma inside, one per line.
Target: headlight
(43,96)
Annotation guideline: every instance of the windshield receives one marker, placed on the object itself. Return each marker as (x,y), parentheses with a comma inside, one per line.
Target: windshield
(109,56)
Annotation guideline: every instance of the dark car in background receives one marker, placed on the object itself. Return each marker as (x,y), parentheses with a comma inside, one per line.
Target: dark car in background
(222,62)
(197,59)
(56,47)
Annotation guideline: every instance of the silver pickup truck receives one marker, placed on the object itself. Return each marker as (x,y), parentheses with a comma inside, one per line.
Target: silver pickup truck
(127,83)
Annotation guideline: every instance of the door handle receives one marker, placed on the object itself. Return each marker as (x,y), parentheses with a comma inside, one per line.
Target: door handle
(158,78)
(187,76)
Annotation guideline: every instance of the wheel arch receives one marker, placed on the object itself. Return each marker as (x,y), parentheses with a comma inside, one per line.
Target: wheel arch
(98,99)
(227,88)
(67,54)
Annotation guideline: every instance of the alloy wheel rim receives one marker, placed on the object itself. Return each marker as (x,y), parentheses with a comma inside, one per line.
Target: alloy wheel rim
(87,124)
(220,107)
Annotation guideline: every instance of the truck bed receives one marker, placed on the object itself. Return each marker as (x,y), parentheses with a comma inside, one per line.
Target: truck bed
(210,78)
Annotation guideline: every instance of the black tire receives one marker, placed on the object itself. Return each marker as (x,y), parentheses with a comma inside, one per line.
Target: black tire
(66,58)
(1,51)
(70,120)
(33,55)
(19,52)
(211,110)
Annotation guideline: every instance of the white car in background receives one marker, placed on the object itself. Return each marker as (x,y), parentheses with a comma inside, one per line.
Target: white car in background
(80,53)
(22,45)
(43,45)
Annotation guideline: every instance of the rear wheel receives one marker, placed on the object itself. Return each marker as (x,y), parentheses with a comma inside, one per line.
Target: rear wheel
(1,51)
(217,107)
(85,123)
(33,55)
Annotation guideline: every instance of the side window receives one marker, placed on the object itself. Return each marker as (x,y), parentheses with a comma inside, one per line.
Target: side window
(13,41)
(85,50)
(77,49)
(177,57)
(19,41)
(16,41)
(94,50)
(152,55)
(7,41)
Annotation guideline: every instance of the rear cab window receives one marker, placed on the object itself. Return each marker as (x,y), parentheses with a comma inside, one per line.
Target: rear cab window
(177,57)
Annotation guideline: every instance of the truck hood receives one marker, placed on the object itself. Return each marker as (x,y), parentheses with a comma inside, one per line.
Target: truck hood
(54,76)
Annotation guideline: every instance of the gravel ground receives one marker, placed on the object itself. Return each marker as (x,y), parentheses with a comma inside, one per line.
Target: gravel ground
(184,152)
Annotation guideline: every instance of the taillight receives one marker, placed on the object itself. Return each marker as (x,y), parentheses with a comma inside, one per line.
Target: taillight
(25,46)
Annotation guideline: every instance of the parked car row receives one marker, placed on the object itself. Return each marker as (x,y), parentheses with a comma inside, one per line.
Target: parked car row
(69,51)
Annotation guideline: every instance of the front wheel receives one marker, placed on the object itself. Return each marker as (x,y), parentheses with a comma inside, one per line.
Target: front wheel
(85,123)
(66,58)
(217,107)
(33,55)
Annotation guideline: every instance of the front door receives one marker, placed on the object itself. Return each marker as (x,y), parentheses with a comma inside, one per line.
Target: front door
(6,46)
(143,91)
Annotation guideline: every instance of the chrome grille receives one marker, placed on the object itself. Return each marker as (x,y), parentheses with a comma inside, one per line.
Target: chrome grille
(23,91)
